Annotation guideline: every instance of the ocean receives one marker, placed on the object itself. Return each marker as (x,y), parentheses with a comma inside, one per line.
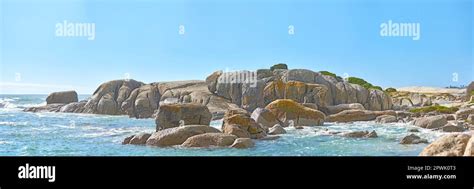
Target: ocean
(70,134)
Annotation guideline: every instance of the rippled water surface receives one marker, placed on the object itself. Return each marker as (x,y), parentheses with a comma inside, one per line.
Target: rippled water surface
(58,134)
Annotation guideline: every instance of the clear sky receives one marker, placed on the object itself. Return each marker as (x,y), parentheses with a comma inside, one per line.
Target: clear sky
(142,39)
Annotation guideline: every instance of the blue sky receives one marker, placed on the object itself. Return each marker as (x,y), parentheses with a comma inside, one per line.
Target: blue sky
(142,38)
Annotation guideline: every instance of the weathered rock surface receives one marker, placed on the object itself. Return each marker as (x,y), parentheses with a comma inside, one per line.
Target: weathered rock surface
(469,147)
(431,122)
(386,119)
(63,97)
(177,135)
(108,97)
(74,107)
(172,115)
(264,117)
(240,124)
(137,139)
(448,145)
(357,115)
(341,107)
(286,109)
(210,139)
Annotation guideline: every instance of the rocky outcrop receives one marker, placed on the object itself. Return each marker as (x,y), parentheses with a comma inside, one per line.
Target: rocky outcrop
(448,145)
(209,140)
(174,115)
(431,122)
(413,139)
(108,97)
(357,115)
(243,143)
(286,110)
(450,127)
(300,85)
(63,97)
(178,135)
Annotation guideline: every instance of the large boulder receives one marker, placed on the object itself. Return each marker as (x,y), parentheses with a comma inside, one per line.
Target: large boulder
(63,97)
(177,135)
(108,97)
(357,115)
(240,124)
(448,145)
(209,140)
(286,110)
(431,122)
(412,139)
(174,115)
(341,107)
(264,117)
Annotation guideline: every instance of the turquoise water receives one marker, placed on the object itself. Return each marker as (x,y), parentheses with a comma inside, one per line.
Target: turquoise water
(66,134)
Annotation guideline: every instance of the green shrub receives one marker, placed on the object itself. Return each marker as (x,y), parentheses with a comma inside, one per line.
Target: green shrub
(279,66)
(390,89)
(437,108)
(328,73)
(472,93)
(363,83)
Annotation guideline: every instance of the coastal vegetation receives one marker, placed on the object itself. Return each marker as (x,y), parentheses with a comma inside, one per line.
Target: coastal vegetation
(435,108)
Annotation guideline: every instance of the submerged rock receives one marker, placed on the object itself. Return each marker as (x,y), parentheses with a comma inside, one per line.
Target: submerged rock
(137,139)
(412,139)
(45,108)
(361,134)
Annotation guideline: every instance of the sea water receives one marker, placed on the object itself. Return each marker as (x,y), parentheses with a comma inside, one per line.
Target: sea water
(71,134)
